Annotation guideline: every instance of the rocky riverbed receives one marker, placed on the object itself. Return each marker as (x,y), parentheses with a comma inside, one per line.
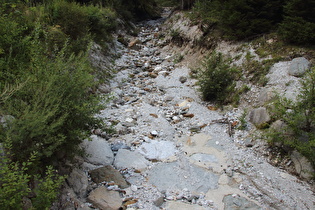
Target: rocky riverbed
(172,150)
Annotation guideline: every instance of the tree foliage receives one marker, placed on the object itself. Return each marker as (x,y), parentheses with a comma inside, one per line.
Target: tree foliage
(299,22)
(216,78)
(239,19)
(47,106)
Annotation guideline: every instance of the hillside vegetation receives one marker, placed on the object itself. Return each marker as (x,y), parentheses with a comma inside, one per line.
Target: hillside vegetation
(47,99)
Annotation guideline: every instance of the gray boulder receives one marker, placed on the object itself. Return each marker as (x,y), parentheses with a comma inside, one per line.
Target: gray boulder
(98,151)
(259,116)
(299,66)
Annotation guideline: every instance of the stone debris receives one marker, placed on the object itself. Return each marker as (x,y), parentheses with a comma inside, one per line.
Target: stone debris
(173,151)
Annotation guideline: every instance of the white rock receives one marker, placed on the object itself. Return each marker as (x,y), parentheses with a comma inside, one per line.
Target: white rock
(129,120)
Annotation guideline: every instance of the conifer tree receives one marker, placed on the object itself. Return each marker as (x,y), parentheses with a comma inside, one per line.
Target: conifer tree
(299,22)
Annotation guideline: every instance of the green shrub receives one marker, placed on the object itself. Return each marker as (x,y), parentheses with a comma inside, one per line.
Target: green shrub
(216,78)
(47,190)
(73,21)
(102,22)
(54,111)
(14,49)
(15,182)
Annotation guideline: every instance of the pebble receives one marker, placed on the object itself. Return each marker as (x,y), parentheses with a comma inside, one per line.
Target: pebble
(134,188)
(154,133)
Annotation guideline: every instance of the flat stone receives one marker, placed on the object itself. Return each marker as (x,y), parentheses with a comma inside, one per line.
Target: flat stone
(98,150)
(78,181)
(157,150)
(232,202)
(299,66)
(104,199)
(108,174)
(130,159)
(176,176)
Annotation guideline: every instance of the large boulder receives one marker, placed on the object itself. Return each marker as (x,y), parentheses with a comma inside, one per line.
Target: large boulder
(299,66)
(107,174)
(98,151)
(104,199)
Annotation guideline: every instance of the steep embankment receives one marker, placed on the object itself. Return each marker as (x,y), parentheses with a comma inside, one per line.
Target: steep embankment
(172,150)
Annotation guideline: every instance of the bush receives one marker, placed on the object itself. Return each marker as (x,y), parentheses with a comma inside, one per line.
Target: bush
(216,79)
(54,111)
(15,181)
(102,23)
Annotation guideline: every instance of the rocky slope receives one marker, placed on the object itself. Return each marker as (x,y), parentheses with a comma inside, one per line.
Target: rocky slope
(172,150)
